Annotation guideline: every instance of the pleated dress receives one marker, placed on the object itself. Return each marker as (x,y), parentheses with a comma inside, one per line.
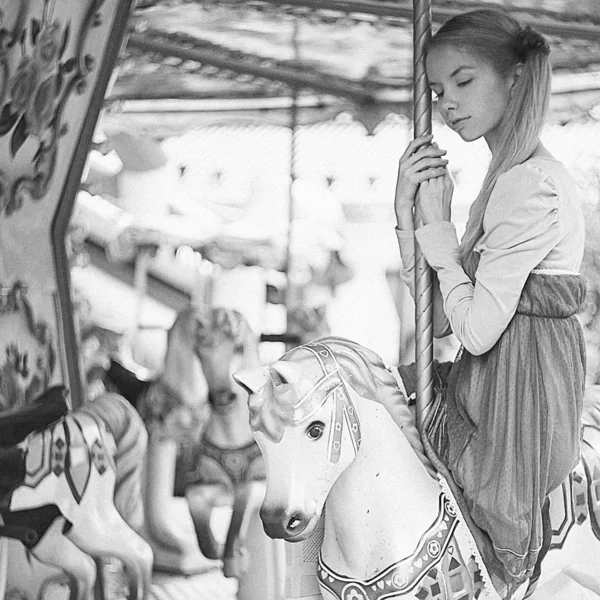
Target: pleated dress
(508,430)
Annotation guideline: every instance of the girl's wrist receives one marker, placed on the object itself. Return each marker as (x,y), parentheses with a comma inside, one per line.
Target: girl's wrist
(405,218)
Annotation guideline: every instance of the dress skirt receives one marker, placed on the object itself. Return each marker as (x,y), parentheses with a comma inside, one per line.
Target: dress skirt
(509,429)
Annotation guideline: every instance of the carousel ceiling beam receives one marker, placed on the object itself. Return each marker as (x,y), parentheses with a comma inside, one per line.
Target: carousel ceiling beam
(545,21)
(168,294)
(293,77)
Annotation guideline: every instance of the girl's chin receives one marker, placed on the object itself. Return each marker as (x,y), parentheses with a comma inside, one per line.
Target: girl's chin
(467,136)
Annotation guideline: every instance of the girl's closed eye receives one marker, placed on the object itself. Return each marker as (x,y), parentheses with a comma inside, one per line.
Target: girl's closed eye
(464,83)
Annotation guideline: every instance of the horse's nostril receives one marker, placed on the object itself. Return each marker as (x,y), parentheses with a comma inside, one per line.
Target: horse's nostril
(294,521)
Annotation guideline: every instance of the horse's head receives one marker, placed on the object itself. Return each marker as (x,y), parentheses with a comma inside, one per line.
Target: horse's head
(224,343)
(303,413)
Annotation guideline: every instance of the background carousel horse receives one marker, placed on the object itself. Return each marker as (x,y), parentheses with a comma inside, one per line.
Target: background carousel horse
(201,447)
(174,407)
(326,416)
(59,470)
(226,468)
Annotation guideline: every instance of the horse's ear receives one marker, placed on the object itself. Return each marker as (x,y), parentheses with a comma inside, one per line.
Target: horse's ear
(253,379)
(287,372)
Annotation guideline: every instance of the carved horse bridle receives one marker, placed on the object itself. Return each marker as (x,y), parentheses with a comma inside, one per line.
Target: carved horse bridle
(330,384)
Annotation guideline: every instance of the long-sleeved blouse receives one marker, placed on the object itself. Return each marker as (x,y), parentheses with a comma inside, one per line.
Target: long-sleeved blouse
(533,221)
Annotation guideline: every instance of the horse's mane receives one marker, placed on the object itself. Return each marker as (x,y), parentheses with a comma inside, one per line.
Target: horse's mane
(370,378)
(131,438)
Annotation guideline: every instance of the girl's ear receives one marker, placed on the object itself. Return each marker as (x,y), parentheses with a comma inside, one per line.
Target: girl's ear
(516,75)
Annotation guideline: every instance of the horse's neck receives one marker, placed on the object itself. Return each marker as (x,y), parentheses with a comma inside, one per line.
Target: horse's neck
(183,374)
(381,505)
(230,428)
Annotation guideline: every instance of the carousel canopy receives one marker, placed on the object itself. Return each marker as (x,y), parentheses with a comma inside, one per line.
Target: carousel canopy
(250,58)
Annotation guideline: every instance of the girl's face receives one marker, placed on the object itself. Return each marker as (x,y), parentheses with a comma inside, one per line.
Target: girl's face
(472,96)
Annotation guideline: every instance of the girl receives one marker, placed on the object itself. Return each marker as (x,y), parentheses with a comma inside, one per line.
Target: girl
(509,291)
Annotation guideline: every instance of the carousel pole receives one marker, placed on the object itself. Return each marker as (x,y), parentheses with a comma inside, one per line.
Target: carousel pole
(289,258)
(423,274)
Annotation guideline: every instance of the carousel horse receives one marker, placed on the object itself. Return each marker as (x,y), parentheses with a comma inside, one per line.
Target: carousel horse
(202,464)
(201,447)
(58,473)
(201,451)
(334,428)
(226,468)
(174,407)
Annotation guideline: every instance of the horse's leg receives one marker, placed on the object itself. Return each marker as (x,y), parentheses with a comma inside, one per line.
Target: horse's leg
(583,579)
(562,587)
(204,500)
(265,576)
(105,534)
(3,565)
(56,550)
(248,498)
(169,529)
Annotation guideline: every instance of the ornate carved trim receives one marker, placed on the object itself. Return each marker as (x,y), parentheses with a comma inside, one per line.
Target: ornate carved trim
(22,379)
(36,92)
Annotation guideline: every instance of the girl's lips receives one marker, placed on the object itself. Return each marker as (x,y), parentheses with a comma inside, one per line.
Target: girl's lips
(458,122)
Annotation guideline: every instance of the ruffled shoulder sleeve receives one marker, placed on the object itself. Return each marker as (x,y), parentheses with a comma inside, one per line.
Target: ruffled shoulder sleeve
(520,229)
(523,206)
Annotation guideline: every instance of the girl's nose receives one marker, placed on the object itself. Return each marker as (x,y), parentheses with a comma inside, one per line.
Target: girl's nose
(448,104)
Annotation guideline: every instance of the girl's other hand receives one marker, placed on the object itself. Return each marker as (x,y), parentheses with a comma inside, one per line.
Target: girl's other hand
(421,161)
(435,198)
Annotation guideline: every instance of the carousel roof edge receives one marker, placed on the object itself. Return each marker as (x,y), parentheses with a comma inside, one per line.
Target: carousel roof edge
(178,50)
(564,23)
(186,49)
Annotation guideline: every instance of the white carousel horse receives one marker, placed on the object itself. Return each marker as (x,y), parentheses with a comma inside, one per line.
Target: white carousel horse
(194,409)
(227,469)
(57,488)
(174,406)
(327,418)
(198,449)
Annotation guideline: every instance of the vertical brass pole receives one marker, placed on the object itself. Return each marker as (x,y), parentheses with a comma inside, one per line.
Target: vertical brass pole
(423,274)
(290,294)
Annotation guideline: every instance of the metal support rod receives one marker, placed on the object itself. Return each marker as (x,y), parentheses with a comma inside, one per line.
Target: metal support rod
(290,292)
(423,274)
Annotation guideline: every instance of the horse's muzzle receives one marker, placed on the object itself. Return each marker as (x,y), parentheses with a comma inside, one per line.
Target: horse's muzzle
(222,400)
(283,523)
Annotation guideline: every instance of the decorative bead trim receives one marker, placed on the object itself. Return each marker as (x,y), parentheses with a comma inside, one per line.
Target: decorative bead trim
(553,272)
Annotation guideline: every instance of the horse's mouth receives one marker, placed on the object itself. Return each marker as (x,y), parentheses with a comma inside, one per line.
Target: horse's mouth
(293,532)
(305,533)
(222,399)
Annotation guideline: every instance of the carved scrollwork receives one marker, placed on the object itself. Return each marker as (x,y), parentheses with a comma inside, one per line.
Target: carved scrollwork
(40,68)
(28,359)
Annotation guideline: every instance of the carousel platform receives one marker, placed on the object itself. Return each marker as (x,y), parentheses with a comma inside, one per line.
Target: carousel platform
(209,585)
(204,586)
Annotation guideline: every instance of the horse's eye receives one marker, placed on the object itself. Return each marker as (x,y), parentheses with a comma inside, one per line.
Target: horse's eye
(315,430)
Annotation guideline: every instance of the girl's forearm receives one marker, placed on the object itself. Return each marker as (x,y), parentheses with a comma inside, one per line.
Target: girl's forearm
(405,219)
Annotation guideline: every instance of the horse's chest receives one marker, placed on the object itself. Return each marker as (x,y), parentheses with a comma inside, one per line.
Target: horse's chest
(436,570)
(229,466)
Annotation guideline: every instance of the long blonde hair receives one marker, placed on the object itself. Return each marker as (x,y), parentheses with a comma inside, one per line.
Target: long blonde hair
(498,39)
